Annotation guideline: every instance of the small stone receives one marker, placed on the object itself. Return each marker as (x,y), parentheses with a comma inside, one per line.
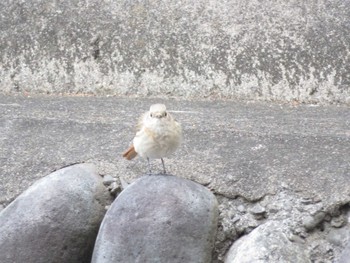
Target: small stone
(300,231)
(114,188)
(108,179)
(230,214)
(257,210)
(296,239)
(273,210)
(310,222)
(310,200)
(241,208)
(220,236)
(124,184)
(319,216)
(338,221)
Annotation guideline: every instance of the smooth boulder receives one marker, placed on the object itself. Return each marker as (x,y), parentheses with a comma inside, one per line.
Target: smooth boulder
(56,219)
(267,243)
(159,218)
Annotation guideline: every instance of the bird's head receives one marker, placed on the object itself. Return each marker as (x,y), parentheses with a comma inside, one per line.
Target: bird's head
(158,111)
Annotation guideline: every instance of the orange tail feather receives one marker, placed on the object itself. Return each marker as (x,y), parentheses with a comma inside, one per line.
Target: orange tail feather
(130,153)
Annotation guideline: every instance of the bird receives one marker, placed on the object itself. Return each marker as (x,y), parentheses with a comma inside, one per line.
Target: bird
(158,135)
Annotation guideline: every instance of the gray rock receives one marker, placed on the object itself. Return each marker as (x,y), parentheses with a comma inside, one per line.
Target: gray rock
(345,256)
(338,221)
(258,211)
(123,183)
(338,236)
(267,243)
(159,219)
(241,208)
(56,219)
(312,221)
(114,188)
(108,180)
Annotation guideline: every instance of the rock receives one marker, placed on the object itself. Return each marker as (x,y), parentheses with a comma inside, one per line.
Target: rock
(241,208)
(296,238)
(338,236)
(258,211)
(338,221)
(108,180)
(310,222)
(345,256)
(159,217)
(56,219)
(123,183)
(114,188)
(267,243)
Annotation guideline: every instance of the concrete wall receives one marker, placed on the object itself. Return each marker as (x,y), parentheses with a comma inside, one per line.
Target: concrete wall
(271,50)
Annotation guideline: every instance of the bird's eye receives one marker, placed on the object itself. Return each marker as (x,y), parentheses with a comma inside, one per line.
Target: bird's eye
(151,115)
(165,114)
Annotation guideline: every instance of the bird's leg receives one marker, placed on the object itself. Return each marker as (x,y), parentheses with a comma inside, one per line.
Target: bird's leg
(149,166)
(163,165)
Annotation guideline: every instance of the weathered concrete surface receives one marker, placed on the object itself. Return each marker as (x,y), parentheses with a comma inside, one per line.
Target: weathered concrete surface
(271,50)
(243,151)
(255,147)
(159,219)
(56,219)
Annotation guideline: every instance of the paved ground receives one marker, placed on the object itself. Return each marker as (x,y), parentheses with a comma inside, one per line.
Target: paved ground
(246,149)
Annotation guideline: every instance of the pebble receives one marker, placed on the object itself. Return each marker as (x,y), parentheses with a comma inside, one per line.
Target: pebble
(114,188)
(310,200)
(108,179)
(241,208)
(258,211)
(338,221)
(273,210)
(310,222)
(296,239)
(124,184)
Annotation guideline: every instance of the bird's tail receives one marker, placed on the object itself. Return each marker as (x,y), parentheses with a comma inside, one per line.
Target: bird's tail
(130,153)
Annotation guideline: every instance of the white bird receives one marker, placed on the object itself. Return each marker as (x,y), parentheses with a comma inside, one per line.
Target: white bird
(158,135)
